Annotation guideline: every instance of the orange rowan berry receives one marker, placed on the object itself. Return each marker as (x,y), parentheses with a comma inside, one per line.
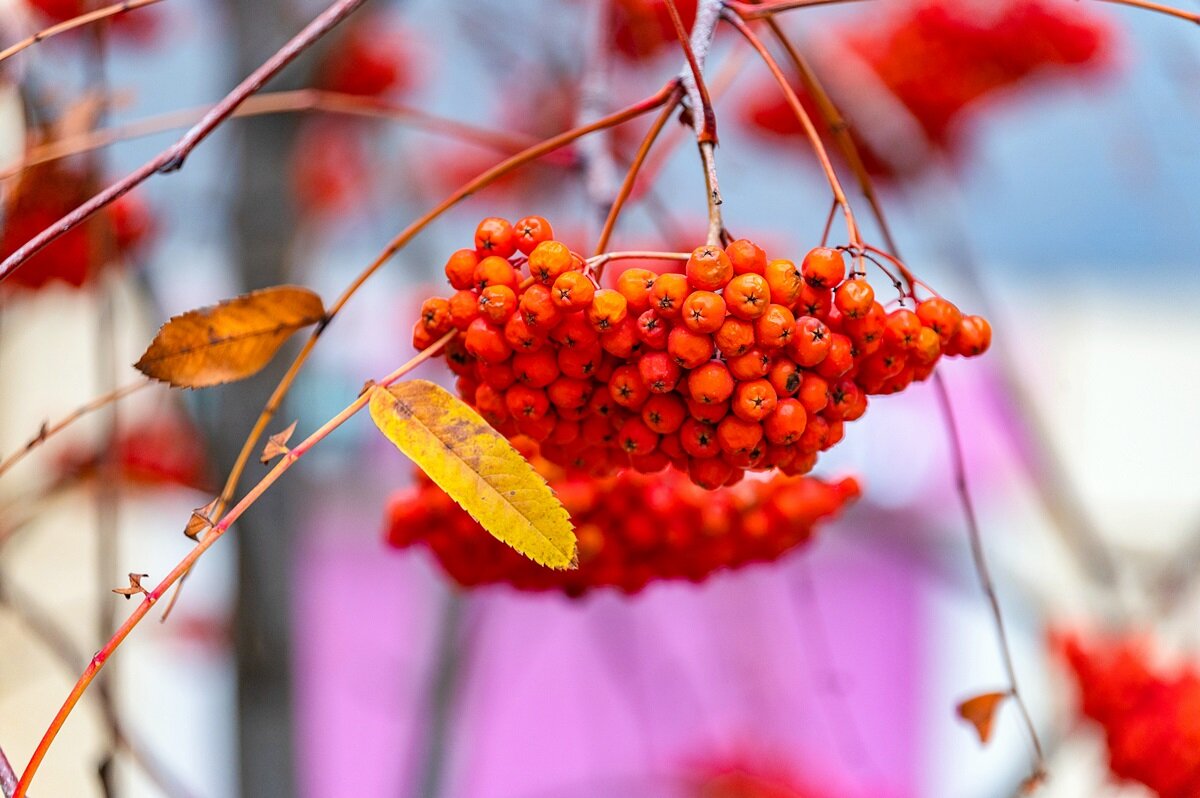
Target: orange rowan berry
(689,349)
(708,269)
(754,400)
(670,445)
(495,236)
(457,357)
(627,388)
(568,392)
(973,338)
(602,405)
(531,231)
(785,282)
(538,369)
(573,331)
(497,375)
(928,348)
(596,431)
(839,360)
(650,463)
(843,396)
(753,364)
(773,329)
(816,433)
(538,309)
(814,301)
(709,473)
(736,434)
(668,294)
(607,310)
(747,296)
(854,297)
(734,337)
(810,342)
(460,269)
(538,428)
(708,412)
(941,316)
(494,270)
(622,340)
(572,291)
(435,316)
(784,376)
(710,383)
(565,432)
(837,430)
(823,267)
(521,336)
(703,312)
(652,330)
(635,285)
(422,337)
(786,423)
(659,371)
(497,303)
(579,363)
(526,402)
(664,413)
(464,309)
(746,257)
(902,328)
(486,342)
(548,260)
(635,438)
(813,393)
(699,439)
(491,403)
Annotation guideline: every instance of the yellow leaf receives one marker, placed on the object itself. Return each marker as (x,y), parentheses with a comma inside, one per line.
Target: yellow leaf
(229,341)
(477,468)
(980,712)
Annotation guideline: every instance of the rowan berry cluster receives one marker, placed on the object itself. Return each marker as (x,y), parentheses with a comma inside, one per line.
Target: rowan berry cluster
(1150,718)
(632,528)
(739,363)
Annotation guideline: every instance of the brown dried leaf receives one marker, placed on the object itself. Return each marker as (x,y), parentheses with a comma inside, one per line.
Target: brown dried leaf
(980,712)
(135,587)
(201,520)
(277,443)
(229,341)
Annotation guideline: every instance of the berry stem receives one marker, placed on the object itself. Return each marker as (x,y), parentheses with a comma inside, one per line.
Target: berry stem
(639,159)
(806,122)
(172,158)
(299,100)
(73,23)
(214,534)
(49,430)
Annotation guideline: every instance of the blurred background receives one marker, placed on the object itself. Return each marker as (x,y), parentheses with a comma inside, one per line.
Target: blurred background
(1037,162)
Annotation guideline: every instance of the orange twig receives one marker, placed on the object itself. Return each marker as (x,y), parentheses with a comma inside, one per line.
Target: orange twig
(73,23)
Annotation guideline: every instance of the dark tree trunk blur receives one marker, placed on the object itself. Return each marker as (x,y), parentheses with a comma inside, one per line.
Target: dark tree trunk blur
(261,226)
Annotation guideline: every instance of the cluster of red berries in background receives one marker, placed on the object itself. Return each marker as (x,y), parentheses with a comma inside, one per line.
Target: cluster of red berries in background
(1151,719)
(643,28)
(632,528)
(138,26)
(158,451)
(938,59)
(44,195)
(740,363)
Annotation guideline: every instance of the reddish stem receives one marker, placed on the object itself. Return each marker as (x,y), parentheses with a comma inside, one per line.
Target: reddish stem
(73,23)
(185,565)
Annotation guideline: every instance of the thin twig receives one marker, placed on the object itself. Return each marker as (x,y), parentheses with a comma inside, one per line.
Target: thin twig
(631,175)
(73,23)
(704,120)
(218,530)
(981,568)
(49,430)
(806,122)
(293,101)
(172,159)
(8,779)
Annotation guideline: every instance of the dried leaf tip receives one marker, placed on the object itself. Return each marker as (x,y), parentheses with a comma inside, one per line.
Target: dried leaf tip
(980,712)
(135,587)
(277,443)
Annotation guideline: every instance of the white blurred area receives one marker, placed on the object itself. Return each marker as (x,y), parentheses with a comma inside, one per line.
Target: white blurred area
(173,684)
